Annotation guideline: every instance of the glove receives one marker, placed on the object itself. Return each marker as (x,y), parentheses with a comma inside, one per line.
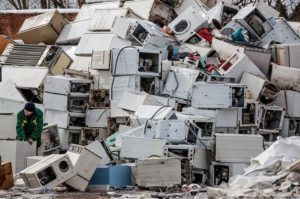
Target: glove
(30,141)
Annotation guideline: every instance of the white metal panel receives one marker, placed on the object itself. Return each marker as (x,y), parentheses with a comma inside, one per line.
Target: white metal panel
(101,60)
(72,32)
(61,118)
(116,111)
(25,77)
(64,85)
(158,172)
(56,102)
(100,21)
(139,148)
(289,100)
(130,96)
(8,127)
(8,90)
(97,118)
(285,77)
(136,132)
(37,21)
(210,95)
(121,26)
(16,152)
(182,88)
(119,84)
(8,106)
(99,41)
(238,148)
(254,84)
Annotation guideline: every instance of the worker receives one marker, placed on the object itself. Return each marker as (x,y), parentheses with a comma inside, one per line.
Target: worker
(30,124)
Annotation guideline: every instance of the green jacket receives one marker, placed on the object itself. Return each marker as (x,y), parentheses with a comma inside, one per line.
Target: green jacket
(34,128)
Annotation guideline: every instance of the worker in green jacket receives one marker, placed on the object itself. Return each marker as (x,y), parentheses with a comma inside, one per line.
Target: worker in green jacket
(30,124)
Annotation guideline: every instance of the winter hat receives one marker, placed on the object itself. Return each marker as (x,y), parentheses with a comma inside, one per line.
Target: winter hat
(29,107)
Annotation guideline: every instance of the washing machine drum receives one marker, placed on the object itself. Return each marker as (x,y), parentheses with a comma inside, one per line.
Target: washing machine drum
(182,27)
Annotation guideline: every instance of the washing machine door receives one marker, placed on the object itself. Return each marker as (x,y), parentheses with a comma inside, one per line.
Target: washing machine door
(182,27)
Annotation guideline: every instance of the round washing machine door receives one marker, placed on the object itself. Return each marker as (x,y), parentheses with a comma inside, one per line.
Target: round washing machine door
(182,27)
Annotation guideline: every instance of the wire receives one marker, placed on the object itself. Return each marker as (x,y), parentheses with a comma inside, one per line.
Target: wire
(101,115)
(177,85)
(115,69)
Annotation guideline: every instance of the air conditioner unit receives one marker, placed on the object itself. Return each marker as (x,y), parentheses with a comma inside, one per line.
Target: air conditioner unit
(224,118)
(46,28)
(101,59)
(64,119)
(149,34)
(271,119)
(52,57)
(221,172)
(139,147)
(122,26)
(234,67)
(289,101)
(187,22)
(161,172)
(49,172)
(287,55)
(173,131)
(73,102)
(204,77)
(223,95)
(250,115)
(204,123)
(237,148)
(89,135)
(260,90)
(179,82)
(290,127)
(69,136)
(194,155)
(65,85)
(136,61)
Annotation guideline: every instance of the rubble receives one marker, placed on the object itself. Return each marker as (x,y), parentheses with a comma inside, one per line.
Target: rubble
(198,99)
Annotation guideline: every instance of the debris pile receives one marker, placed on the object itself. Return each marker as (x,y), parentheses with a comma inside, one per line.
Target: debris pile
(155,93)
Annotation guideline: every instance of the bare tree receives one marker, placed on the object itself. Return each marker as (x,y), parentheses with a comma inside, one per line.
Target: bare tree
(45,4)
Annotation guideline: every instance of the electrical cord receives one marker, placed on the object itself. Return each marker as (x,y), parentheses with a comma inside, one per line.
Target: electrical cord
(177,85)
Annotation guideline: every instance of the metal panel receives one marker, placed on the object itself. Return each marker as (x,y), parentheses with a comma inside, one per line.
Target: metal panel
(66,85)
(8,90)
(25,77)
(138,148)
(8,106)
(289,100)
(210,95)
(8,127)
(179,82)
(238,148)
(76,103)
(92,41)
(129,96)
(119,84)
(97,118)
(100,60)
(72,32)
(160,172)
(16,152)
(101,22)
(121,27)
(136,61)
